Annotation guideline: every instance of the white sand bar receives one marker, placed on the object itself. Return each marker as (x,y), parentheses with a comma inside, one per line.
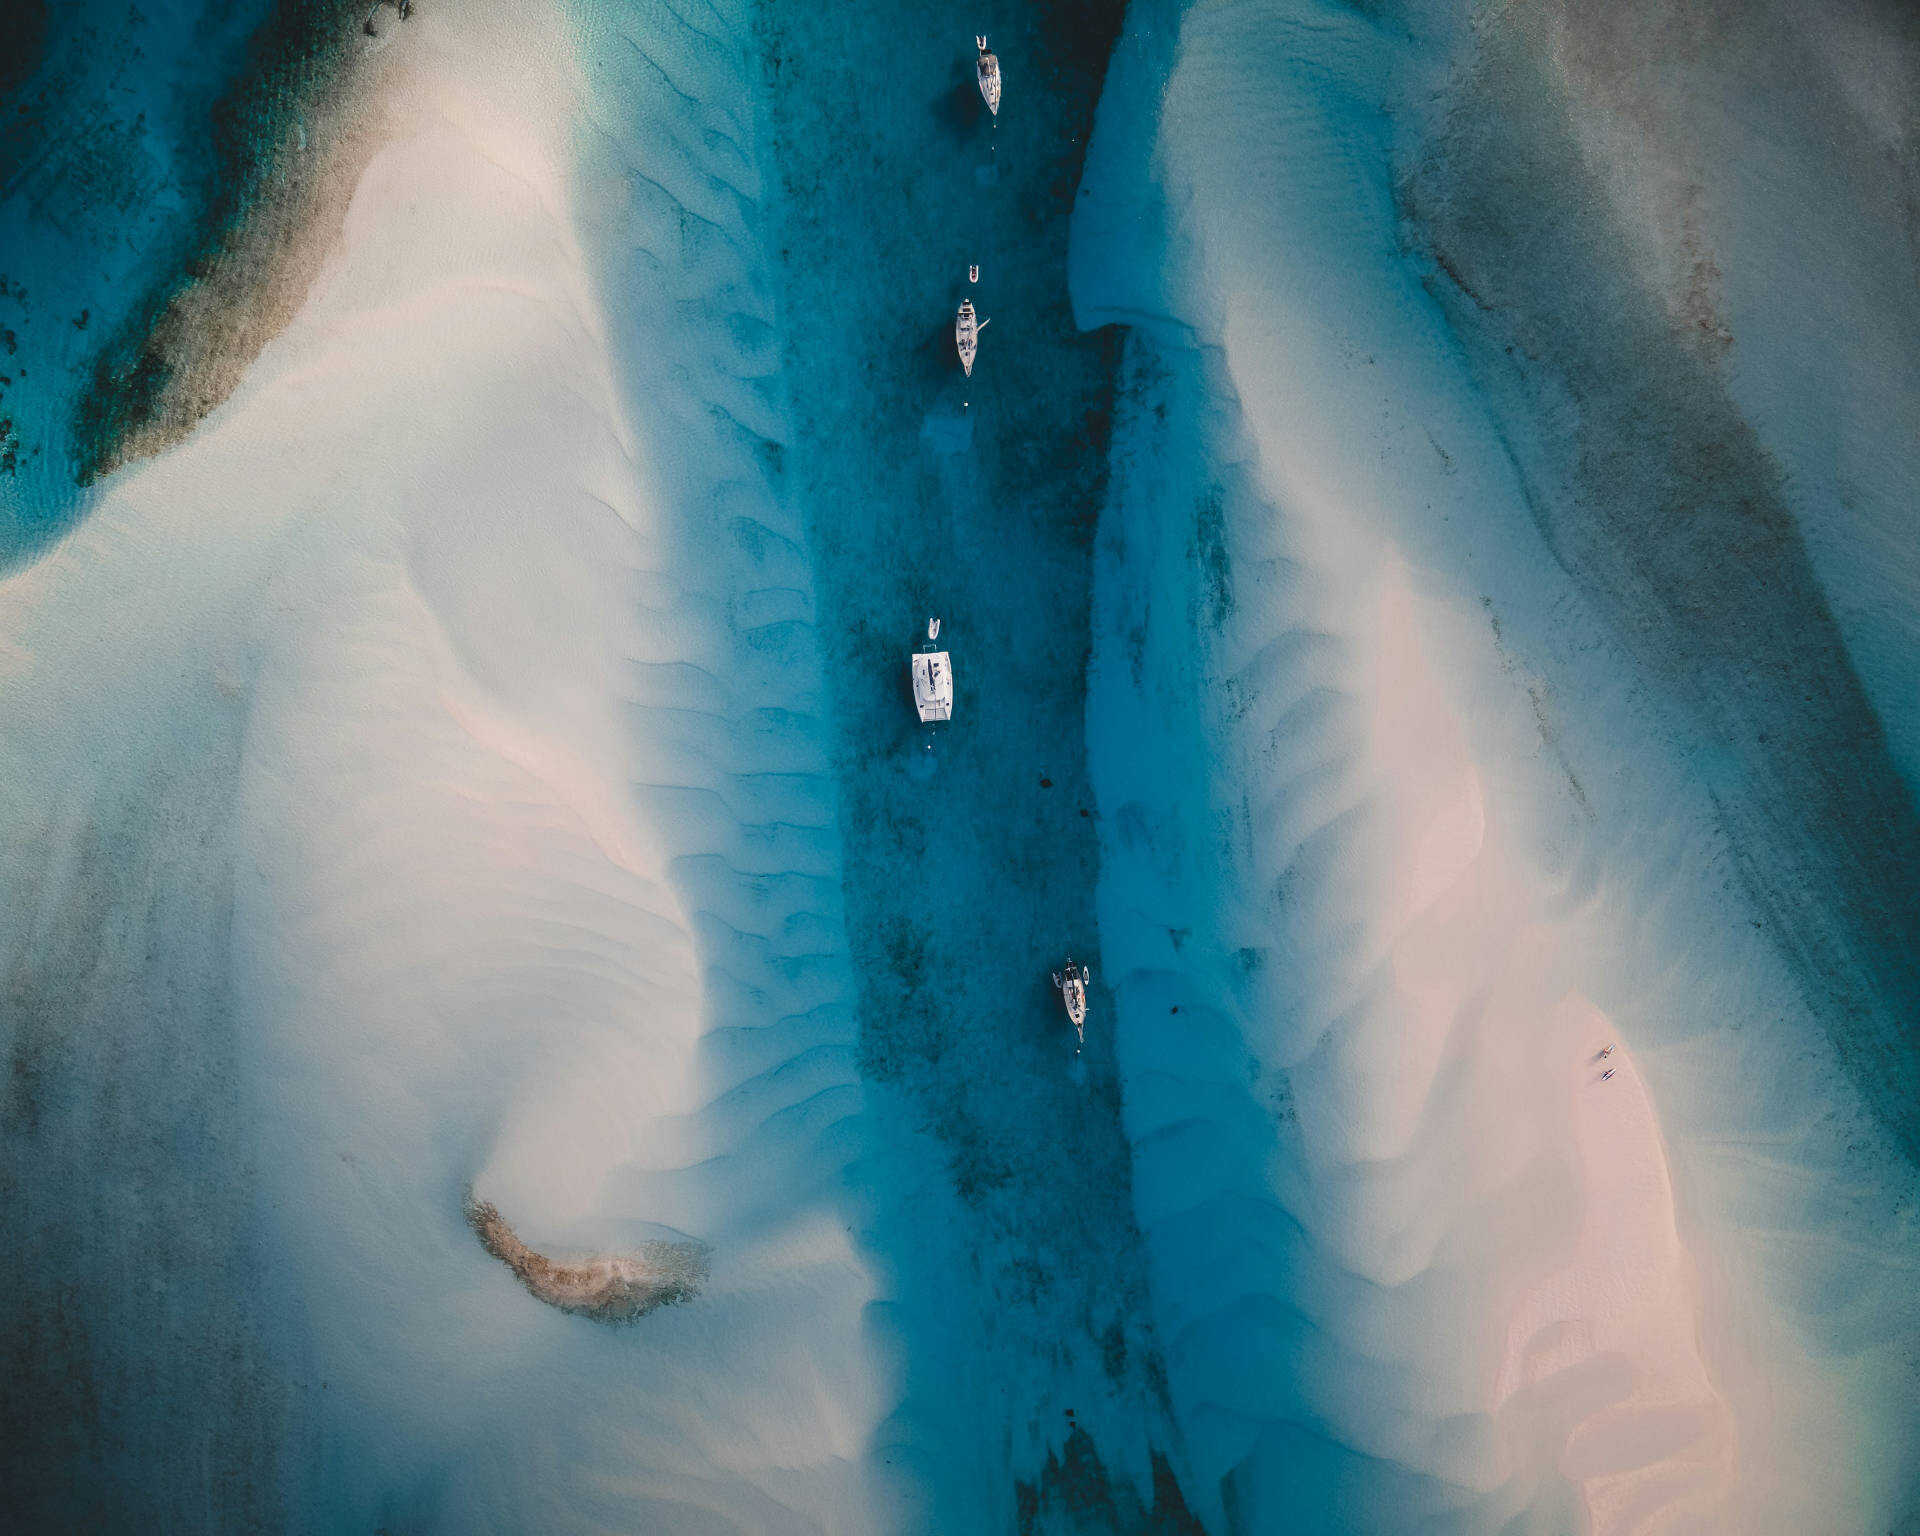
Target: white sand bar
(526,896)
(1416,1265)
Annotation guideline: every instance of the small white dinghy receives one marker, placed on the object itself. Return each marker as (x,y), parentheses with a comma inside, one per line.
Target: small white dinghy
(966,334)
(973,273)
(987,69)
(933,678)
(1072,983)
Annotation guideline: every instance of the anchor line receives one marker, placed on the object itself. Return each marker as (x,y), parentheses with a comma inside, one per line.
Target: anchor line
(990,257)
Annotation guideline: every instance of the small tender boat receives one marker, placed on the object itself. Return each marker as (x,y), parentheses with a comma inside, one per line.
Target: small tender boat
(1072,983)
(973,273)
(933,678)
(987,69)
(966,334)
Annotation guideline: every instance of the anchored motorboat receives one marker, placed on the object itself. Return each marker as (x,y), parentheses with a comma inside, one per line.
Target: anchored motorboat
(1072,983)
(933,678)
(987,69)
(966,334)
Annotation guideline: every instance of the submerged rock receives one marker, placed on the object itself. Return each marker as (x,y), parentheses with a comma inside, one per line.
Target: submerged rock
(609,1288)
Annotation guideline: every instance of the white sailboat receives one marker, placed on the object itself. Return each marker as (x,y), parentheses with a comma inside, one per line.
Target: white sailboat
(932,678)
(1072,983)
(966,334)
(987,69)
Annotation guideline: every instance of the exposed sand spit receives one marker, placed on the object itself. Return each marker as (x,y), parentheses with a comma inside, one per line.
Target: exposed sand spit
(609,1288)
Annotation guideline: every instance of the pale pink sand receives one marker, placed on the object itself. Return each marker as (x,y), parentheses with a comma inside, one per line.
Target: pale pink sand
(1463,1120)
(1606,1350)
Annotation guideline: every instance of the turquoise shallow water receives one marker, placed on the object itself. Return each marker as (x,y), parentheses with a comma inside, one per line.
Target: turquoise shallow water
(107,176)
(132,139)
(970,867)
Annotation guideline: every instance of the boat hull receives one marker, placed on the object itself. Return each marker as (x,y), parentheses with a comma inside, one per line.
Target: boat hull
(933,685)
(988,73)
(1072,983)
(966,336)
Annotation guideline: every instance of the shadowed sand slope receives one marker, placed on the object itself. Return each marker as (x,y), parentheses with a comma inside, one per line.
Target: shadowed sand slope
(1661,500)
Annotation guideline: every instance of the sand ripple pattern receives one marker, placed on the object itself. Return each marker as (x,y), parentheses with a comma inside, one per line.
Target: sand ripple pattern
(1416,1268)
(482,585)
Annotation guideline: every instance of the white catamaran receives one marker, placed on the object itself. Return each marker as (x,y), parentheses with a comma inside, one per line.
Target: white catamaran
(932,678)
(1072,983)
(987,69)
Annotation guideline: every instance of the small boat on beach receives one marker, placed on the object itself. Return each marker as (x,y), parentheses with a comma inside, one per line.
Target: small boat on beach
(987,69)
(1072,983)
(932,678)
(966,334)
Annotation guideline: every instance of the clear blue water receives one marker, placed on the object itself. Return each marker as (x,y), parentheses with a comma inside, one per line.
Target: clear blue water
(971,867)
